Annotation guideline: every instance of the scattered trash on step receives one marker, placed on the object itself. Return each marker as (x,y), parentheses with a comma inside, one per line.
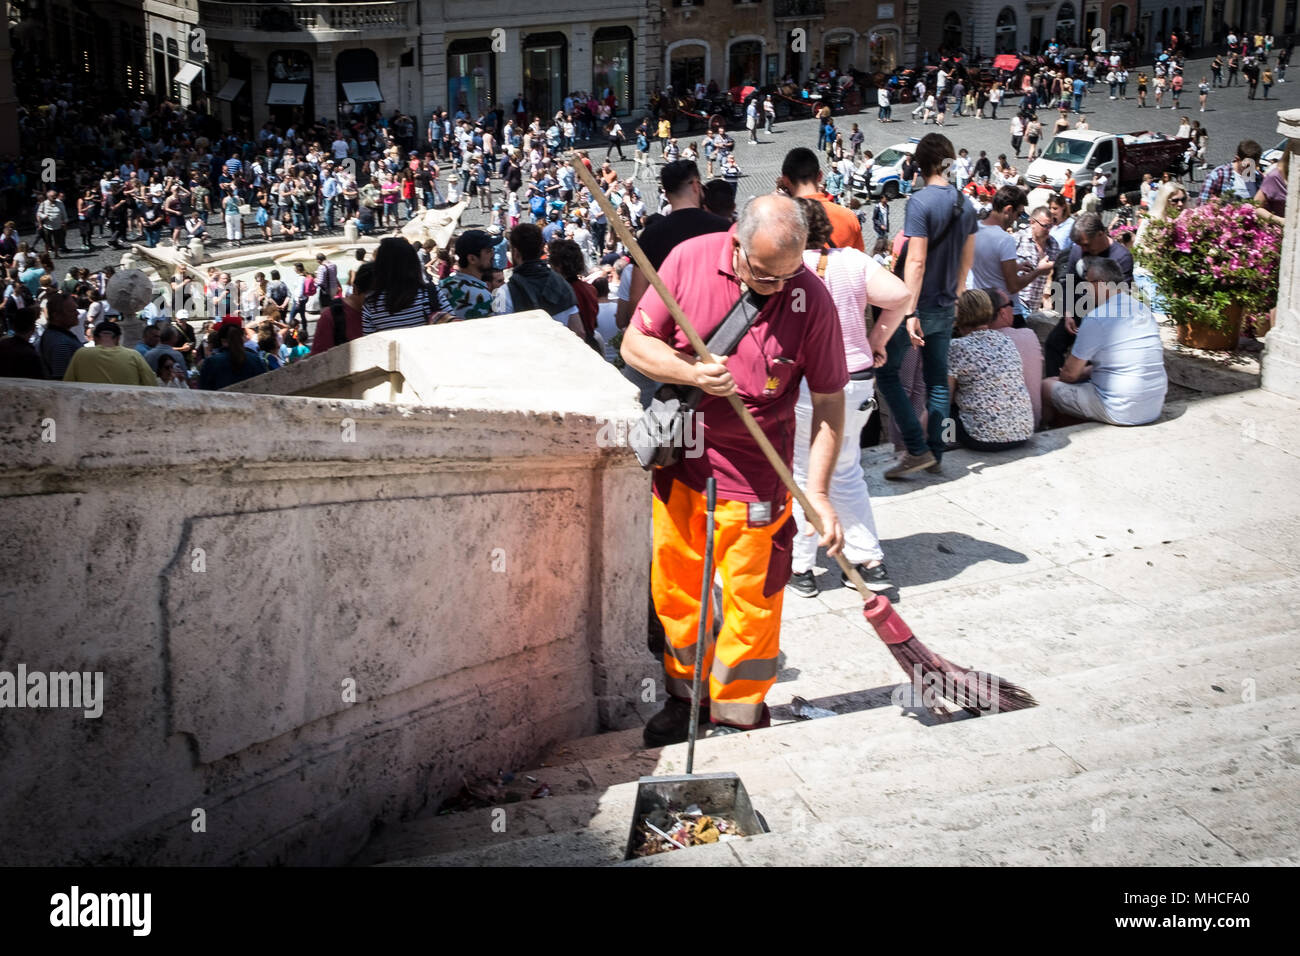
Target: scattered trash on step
(505,776)
(944,549)
(664,831)
(803,710)
(1218,688)
(530,778)
(543,791)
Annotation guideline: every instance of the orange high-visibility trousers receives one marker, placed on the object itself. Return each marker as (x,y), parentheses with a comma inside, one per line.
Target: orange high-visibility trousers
(755,566)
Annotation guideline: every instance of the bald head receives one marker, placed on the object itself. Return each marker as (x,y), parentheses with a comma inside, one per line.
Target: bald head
(774,221)
(770,237)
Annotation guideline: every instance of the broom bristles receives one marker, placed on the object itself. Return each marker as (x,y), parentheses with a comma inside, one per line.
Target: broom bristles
(934,677)
(977,692)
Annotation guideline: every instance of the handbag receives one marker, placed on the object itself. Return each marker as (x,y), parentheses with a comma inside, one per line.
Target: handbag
(657,437)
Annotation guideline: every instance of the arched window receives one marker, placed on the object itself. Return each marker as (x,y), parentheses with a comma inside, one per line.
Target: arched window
(291,90)
(356,75)
(837,49)
(1006,30)
(883,46)
(688,64)
(1119,24)
(289,66)
(951,30)
(745,63)
(1067,27)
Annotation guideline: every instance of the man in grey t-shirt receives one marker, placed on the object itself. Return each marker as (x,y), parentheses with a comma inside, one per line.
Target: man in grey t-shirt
(940,224)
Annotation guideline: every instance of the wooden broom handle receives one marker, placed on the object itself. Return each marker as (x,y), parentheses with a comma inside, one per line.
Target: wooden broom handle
(702,350)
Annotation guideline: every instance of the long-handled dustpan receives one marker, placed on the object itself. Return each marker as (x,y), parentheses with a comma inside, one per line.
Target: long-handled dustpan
(720,795)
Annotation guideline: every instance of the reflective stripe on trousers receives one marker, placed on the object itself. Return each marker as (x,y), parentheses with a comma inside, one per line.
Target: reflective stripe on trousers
(755,566)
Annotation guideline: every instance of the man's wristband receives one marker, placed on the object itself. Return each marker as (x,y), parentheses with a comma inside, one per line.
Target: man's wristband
(911,315)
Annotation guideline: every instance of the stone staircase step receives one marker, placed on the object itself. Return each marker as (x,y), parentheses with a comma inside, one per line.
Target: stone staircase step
(798,773)
(987,785)
(1119,816)
(1111,696)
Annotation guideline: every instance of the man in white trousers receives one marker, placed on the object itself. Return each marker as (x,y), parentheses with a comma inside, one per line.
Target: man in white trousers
(856,283)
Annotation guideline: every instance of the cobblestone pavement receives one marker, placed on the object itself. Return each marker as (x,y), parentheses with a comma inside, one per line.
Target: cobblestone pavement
(1230,116)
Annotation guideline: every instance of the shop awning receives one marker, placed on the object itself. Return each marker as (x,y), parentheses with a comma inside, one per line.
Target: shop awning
(286,94)
(363,91)
(231,89)
(188,73)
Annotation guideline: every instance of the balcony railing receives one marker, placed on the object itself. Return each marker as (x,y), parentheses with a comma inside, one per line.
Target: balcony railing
(312,17)
(798,9)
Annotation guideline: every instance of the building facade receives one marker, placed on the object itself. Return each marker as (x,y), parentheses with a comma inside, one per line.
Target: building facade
(994,26)
(476,54)
(989,27)
(1278,17)
(295,60)
(759,42)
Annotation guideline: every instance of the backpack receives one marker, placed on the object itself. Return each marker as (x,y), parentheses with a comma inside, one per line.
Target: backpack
(537,204)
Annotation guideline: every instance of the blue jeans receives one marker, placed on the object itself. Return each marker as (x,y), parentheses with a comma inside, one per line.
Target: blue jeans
(936,327)
(328,203)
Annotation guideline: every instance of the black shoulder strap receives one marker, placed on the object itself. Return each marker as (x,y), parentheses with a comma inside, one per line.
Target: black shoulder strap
(726,337)
(722,341)
(739,320)
(953,219)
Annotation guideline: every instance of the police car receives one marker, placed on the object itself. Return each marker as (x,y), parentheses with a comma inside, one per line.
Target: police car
(886,174)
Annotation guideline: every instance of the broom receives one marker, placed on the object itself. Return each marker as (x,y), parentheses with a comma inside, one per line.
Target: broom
(976,692)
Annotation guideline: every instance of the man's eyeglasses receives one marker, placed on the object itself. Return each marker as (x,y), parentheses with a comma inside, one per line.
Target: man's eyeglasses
(767,280)
(1046,224)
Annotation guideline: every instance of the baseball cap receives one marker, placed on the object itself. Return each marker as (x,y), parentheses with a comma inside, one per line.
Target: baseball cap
(472,242)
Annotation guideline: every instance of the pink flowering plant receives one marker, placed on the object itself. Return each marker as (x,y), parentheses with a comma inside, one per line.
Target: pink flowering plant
(1211,257)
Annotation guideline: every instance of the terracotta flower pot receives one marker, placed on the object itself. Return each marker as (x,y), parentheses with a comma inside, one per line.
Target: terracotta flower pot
(1213,340)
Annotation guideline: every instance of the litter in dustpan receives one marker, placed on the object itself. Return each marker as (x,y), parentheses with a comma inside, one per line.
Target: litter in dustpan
(678,812)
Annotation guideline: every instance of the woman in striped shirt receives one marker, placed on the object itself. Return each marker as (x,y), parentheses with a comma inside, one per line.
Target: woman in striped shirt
(399,297)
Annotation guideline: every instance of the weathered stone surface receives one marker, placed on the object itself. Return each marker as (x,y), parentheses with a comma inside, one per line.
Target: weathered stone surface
(228,561)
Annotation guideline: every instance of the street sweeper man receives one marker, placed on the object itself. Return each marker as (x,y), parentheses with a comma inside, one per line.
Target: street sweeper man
(795,338)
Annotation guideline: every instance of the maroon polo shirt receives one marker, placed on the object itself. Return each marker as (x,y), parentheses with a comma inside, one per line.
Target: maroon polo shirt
(783,347)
